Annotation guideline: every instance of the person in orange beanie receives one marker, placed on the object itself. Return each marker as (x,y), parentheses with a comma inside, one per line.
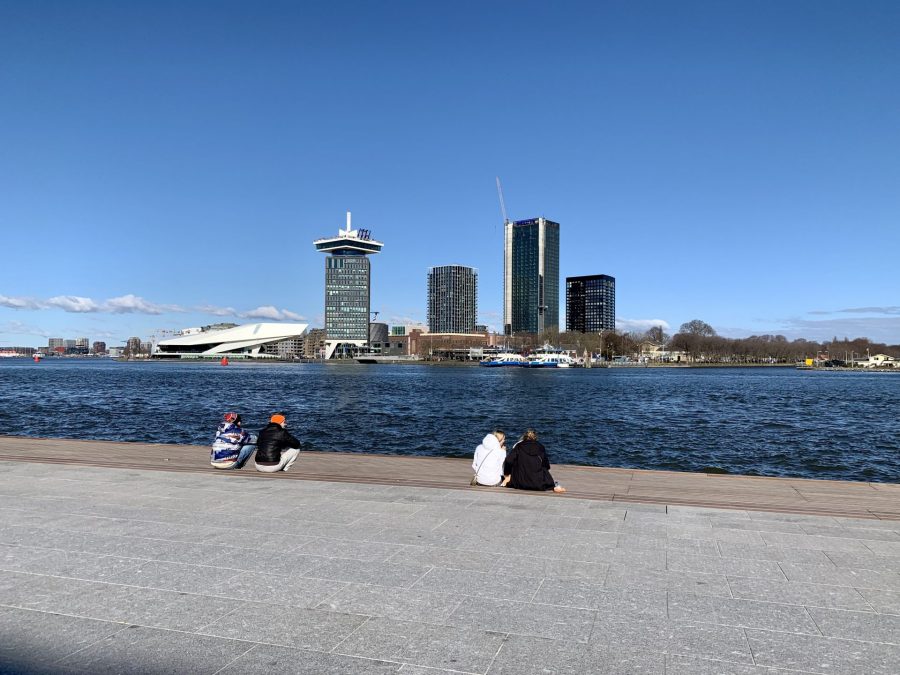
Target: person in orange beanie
(276,448)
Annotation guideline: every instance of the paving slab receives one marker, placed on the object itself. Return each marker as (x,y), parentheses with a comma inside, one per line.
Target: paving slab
(25,645)
(150,651)
(823,655)
(271,660)
(459,648)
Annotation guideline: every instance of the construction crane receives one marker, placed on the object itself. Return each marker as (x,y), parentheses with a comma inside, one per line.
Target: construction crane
(502,203)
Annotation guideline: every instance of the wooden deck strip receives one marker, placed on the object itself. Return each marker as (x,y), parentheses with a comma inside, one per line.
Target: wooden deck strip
(792,495)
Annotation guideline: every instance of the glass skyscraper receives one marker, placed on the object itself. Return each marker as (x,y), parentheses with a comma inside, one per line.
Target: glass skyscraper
(590,303)
(530,276)
(452,299)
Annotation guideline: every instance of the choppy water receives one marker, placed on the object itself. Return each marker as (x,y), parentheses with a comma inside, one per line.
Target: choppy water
(774,422)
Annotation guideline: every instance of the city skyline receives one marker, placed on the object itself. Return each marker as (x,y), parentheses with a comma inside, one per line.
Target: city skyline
(167,166)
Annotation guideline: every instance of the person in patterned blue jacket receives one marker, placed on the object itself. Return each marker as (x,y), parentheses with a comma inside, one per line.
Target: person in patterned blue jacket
(233,445)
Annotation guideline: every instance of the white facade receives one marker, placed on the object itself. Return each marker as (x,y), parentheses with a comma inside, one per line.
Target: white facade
(244,340)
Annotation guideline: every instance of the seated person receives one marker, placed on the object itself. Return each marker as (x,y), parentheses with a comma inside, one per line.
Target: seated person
(488,461)
(528,466)
(276,450)
(233,445)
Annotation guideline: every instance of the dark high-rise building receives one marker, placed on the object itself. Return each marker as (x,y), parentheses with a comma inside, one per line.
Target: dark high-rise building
(590,303)
(347,287)
(452,299)
(530,276)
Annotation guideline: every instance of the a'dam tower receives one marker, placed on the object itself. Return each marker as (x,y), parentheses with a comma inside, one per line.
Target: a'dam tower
(347,287)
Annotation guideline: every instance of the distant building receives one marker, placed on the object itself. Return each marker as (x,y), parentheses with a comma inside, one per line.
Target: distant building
(530,276)
(347,287)
(378,335)
(249,341)
(133,346)
(99,348)
(590,303)
(54,343)
(481,328)
(116,352)
(314,344)
(408,328)
(292,348)
(452,299)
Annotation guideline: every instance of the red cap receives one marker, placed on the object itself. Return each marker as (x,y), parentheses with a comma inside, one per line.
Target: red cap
(230,417)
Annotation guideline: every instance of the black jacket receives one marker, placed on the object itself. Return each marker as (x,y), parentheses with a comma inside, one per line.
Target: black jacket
(271,441)
(528,466)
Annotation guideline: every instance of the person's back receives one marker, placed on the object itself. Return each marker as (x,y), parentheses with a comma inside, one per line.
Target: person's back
(276,448)
(489,458)
(232,445)
(528,466)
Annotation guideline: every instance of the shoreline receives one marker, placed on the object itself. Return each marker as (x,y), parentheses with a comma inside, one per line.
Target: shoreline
(880,501)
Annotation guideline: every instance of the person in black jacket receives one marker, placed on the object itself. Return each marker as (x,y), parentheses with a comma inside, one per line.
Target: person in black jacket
(276,449)
(528,466)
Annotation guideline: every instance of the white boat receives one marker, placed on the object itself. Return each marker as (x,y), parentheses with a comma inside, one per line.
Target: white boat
(551,361)
(507,359)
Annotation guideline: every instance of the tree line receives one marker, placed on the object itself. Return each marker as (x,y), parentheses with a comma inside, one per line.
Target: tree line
(698,340)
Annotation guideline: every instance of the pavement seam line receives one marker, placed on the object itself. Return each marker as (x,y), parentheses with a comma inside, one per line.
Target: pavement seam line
(235,659)
(95,642)
(333,650)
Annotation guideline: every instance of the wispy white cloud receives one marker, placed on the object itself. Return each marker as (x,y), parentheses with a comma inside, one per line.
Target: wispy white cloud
(217,311)
(133,304)
(19,303)
(73,303)
(890,310)
(271,313)
(19,328)
(640,325)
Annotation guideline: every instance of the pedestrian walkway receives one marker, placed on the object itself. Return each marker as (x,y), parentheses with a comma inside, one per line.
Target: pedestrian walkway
(788,495)
(107,570)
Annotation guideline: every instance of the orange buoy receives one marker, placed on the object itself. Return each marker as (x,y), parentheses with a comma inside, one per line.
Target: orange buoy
(224,361)
(37,359)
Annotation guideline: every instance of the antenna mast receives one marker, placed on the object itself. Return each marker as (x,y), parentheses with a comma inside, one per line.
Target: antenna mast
(502,203)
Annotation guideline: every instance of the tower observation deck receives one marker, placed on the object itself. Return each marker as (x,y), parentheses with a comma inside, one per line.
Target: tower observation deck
(347,287)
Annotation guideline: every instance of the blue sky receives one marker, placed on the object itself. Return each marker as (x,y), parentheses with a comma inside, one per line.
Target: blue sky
(168,164)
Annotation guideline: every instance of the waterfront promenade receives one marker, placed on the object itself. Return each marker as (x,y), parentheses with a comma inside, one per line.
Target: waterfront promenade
(142,559)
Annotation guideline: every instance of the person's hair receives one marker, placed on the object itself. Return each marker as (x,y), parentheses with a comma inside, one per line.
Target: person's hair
(499,434)
(529,435)
(237,420)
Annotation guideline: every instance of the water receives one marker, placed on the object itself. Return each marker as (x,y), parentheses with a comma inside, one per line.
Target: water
(764,421)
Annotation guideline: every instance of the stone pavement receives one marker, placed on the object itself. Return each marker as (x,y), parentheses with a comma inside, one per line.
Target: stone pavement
(111,570)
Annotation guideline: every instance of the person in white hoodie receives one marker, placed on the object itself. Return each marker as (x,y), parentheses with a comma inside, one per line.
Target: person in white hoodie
(489,458)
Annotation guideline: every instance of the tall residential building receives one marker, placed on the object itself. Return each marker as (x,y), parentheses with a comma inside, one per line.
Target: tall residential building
(347,287)
(99,347)
(590,303)
(54,343)
(530,276)
(452,299)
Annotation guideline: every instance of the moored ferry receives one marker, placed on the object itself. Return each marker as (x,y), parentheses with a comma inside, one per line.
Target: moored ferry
(506,359)
(551,361)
